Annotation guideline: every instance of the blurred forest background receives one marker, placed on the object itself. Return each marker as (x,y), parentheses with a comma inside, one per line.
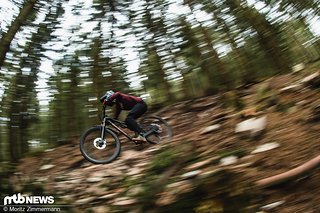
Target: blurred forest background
(57,57)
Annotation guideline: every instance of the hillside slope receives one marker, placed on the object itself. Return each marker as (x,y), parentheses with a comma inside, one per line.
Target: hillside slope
(208,166)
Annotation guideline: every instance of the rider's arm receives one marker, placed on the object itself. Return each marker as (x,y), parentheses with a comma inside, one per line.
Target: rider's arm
(111,99)
(114,99)
(118,110)
(114,96)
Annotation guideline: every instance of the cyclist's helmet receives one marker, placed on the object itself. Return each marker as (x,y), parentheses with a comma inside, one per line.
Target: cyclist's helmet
(106,96)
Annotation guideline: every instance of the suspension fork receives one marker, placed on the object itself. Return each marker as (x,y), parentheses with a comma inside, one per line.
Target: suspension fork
(103,127)
(103,121)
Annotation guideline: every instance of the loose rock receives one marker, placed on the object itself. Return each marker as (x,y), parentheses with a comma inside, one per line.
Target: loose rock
(210,129)
(272,205)
(48,166)
(191,174)
(228,160)
(265,147)
(94,179)
(254,126)
(291,88)
(124,201)
(312,80)
(85,200)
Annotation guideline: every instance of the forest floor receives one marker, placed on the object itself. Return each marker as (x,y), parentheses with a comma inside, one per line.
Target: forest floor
(205,142)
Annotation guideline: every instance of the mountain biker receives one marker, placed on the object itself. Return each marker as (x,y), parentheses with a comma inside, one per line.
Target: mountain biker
(122,101)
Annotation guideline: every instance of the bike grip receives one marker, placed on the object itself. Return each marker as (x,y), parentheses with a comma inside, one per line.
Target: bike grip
(102,99)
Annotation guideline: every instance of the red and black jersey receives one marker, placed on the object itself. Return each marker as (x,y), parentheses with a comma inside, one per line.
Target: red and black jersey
(122,101)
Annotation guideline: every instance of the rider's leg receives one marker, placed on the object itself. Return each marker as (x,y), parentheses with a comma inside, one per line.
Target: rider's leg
(137,111)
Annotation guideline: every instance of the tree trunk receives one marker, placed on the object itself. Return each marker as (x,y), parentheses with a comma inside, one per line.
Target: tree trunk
(13,29)
(291,174)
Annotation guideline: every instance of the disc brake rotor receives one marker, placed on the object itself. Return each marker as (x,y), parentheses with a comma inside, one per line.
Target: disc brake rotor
(99,143)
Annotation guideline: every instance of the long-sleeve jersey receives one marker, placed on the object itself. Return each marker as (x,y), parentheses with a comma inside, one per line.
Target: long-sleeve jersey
(123,102)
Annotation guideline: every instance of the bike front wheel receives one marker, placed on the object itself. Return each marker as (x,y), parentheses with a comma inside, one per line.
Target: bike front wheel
(100,150)
(163,130)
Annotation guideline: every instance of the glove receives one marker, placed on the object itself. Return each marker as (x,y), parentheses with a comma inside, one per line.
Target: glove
(102,99)
(105,101)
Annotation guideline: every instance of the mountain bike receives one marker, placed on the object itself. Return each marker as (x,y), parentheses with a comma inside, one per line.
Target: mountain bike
(101,144)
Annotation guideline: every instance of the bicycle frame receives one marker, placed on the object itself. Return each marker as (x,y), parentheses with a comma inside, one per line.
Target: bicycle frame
(107,120)
(95,136)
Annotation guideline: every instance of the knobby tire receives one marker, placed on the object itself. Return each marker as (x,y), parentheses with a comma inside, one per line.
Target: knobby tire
(114,141)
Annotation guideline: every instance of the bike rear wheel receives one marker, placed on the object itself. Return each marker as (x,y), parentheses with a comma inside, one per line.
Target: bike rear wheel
(164,133)
(100,150)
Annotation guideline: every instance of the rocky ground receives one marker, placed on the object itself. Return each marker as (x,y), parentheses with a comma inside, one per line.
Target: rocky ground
(222,145)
